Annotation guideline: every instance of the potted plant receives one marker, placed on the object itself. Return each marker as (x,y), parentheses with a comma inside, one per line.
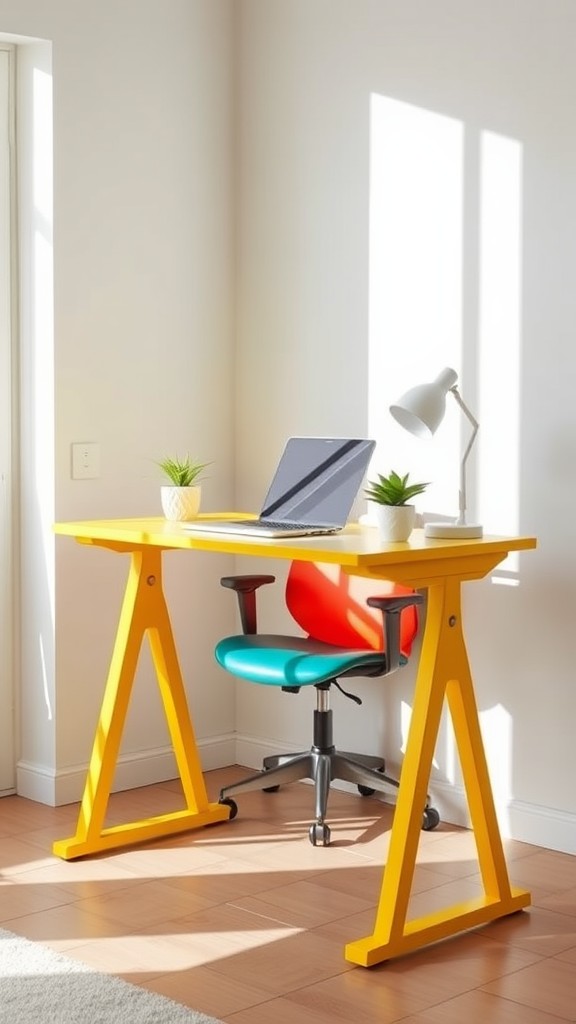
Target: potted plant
(394,513)
(181,497)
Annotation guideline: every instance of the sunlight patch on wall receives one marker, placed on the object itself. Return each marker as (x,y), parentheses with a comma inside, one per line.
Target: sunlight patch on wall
(42,141)
(445,230)
(415,302)
(500,334)
(405,719)
(42,295)
(497,736)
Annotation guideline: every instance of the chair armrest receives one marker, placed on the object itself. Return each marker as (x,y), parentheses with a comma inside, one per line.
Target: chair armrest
(391,608)
(245,588)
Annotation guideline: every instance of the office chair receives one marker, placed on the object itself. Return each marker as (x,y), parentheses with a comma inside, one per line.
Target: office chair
(354,627)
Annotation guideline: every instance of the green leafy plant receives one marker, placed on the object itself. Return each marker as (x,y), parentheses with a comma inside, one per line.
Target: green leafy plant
(393,489)
(182,472)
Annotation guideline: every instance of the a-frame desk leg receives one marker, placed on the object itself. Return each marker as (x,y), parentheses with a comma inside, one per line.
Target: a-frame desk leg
(443,672)
(143,611)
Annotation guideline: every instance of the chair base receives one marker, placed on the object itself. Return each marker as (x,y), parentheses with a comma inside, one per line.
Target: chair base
(322,764)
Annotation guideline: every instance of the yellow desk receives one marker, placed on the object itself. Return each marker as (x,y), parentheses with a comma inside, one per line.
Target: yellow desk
(440,566)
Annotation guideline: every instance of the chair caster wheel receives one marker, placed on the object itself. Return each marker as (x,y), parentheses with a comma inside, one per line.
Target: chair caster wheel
(319,834)
(430,819)
(228,802)
(269,789)
(367,791)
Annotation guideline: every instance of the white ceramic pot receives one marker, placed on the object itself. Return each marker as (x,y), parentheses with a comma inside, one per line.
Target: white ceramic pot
(180,504)
(395,522)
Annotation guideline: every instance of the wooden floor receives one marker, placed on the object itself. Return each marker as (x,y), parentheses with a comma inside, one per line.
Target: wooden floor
(247,921)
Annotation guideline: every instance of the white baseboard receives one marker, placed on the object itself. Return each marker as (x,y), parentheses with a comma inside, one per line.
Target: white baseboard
(251,752)
(65,786)
(35,782)
(527,823)
(543,826)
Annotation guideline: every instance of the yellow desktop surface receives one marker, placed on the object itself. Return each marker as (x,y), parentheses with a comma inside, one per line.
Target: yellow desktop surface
(357,546)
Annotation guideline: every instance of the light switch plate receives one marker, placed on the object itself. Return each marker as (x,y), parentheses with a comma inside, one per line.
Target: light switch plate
(85,460)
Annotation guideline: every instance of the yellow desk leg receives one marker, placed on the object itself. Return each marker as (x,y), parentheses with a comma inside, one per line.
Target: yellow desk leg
(443,671)
(143,611)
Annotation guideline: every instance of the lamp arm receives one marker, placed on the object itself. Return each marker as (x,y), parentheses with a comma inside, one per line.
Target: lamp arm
(474,422)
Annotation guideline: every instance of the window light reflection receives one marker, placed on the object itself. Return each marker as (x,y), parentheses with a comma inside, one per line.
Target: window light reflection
(445,290)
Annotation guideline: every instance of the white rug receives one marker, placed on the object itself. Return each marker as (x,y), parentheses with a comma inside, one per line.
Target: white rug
(39,986)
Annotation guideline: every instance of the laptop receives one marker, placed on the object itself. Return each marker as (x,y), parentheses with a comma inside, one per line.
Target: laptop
(312,491)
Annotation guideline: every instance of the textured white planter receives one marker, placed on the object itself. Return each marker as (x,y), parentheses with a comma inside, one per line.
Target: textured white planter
(395,522)
(180,503)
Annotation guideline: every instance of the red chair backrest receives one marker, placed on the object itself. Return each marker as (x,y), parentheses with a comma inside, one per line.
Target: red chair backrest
(330,605)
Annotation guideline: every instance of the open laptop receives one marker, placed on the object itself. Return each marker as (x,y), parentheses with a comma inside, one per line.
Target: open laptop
(312,491)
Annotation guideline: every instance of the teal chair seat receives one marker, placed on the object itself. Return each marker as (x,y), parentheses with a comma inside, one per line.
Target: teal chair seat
(276,660)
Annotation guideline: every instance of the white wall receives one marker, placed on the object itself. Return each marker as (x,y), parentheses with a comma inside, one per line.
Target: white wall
(308,71)
(146,195)
(142,354)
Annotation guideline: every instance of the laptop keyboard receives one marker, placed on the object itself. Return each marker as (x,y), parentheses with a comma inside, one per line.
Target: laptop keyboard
(272,524)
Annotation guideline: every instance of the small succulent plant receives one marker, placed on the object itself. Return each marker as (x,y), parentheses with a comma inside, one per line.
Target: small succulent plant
(393,489)
(182,472)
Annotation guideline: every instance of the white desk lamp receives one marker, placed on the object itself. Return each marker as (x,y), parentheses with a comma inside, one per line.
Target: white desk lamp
(421,411)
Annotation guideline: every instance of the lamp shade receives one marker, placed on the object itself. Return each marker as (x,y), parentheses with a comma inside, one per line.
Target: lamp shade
(421,409)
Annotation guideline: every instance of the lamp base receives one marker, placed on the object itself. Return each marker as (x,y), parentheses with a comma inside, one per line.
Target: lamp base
(452,531)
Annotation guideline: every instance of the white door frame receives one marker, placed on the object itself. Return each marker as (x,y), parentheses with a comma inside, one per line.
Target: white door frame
(8,421)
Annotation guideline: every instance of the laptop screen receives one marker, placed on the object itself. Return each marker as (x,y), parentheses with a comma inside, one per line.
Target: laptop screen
(317,480)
